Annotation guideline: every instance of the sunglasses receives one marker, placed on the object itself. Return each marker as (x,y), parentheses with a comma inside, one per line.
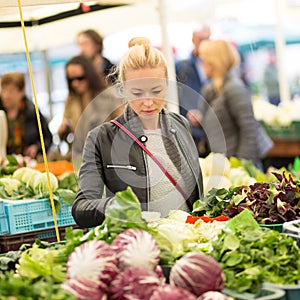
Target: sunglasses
(79,78)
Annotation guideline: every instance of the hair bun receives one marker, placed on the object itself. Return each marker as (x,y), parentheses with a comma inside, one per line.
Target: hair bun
(142,41)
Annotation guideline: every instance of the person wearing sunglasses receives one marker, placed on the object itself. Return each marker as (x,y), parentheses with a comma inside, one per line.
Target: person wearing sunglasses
(84,85)
(147,147)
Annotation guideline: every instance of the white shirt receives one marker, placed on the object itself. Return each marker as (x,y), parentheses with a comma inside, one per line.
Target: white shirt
(163,195)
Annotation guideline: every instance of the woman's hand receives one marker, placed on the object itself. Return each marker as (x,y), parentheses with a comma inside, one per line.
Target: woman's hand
(195,117)
(64,129)
(31,151)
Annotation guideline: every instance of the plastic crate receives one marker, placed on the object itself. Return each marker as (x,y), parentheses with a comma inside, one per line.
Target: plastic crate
(12,242)
(283,132)
(292,292)
(2,210)
(64,217)
(292,227)
(35,214)
(265,293)
(3,220)
(277,227)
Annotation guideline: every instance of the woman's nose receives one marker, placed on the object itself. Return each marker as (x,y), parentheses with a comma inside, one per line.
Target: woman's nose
(148,101)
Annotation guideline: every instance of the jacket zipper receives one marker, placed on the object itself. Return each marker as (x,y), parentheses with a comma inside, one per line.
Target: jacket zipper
(186,158)
(147,180)
(128,167)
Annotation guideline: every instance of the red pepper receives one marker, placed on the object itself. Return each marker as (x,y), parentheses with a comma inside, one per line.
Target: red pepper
(193,219)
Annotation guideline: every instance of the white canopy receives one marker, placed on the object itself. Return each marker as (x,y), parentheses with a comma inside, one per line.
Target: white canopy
(133,13)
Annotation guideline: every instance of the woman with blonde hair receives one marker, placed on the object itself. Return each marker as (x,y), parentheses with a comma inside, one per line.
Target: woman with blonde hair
(147,148)
(229,100)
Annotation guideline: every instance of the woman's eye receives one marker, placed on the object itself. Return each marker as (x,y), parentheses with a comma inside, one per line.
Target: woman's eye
(137,94)
(157,92)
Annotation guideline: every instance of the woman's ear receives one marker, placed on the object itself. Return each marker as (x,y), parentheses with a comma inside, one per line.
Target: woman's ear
(121,90)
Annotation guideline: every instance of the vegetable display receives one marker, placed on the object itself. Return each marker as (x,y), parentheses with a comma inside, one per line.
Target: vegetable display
(270,203)
(250,255)
(124,258)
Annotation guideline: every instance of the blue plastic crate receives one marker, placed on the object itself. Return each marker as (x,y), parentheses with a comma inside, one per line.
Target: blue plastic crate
(292,292)
(265,293)
(3,225)
(64,217)
(3,220)
(2,210)
(35,214)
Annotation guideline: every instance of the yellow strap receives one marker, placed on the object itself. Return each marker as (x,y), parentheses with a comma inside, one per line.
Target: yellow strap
(39,122)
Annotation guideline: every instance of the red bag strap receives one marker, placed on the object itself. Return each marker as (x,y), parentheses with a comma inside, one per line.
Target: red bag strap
(136,140)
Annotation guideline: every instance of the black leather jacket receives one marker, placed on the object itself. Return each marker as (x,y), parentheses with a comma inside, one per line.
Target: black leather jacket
(113,160)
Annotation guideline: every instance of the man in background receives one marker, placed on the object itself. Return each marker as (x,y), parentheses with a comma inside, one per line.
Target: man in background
(189,72)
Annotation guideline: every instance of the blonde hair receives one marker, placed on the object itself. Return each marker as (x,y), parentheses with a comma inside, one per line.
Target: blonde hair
(15,78)
(222,56)
(141,55)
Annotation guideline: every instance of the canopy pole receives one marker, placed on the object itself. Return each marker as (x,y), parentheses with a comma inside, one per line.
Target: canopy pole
(173,105)
(279,47)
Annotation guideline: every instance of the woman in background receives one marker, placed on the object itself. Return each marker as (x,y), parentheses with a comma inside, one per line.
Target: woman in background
(23,133)
(84,84)
(112,160)
(89,103)
(90,43)
(229,100)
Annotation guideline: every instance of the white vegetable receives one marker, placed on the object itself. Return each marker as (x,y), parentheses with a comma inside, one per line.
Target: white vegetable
(84,289)
(212,295)
(169,292)
(136,248)
(40,184)
(10,184)
(239,176)
(135,284)
(95,261)
(215,164)
(198,273)
(26,175)
(215,181)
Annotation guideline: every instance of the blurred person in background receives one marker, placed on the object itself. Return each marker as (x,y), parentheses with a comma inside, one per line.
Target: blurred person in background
(229,99)
(189,72)
(270,79)
(90,43)
(23,132)
(84,85)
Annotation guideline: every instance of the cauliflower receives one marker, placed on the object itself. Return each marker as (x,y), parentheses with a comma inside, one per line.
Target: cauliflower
(215,164)
(10,184)
(40,184)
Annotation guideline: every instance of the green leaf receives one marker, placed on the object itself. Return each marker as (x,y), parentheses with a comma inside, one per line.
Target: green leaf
(231,242)
(67,196)
(234,259)
(12,160)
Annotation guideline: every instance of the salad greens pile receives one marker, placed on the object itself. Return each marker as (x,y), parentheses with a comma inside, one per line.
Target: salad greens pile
(250,256)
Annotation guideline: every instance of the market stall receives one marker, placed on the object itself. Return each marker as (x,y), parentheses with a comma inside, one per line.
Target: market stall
(241,239)
(231,227)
